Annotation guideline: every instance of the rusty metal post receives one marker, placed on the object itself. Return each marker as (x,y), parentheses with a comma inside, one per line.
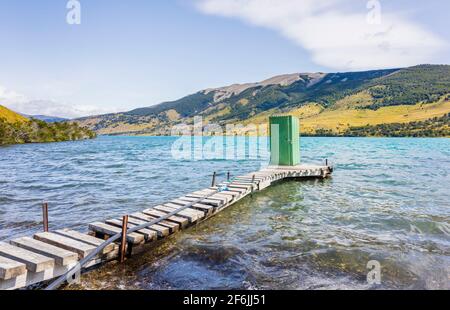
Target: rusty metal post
(213,183)
(123,244)
(45,216)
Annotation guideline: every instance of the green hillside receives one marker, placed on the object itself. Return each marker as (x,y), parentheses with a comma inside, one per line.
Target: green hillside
(16,129)
(332,102)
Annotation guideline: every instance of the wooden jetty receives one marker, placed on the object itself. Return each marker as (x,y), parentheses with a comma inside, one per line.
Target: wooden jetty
(48,255)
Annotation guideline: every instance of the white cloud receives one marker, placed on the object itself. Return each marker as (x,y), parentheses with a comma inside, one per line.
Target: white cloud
(336,32)
(22,104)
(7,95)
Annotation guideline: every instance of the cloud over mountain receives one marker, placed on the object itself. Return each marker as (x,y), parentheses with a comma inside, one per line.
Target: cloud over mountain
(344,35)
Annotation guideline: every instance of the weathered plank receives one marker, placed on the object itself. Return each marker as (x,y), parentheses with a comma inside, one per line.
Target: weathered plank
(251,187)
(173,227)
(233,195)
(222,195)
(214,203)
(202,207)
(35,262)
(113,230)
(186,214)
(192,210)
(162,231)
(209,191)
(10,268)
(233,191)
(183,222)
(148,234)
(218,197)
(249,179)
(81,248)
(245,184)
(62,257)
(246,187)
(85,238)
(195,213)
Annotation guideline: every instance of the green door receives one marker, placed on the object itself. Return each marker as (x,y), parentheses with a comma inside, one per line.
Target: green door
(284,141)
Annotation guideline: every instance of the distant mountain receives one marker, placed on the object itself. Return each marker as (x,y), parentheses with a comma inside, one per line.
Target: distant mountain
(326,103)
(48,119)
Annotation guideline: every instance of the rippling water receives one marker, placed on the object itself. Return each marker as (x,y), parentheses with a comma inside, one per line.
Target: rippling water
(388,200)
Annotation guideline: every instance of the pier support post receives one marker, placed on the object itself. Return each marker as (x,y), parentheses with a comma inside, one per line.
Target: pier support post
(253,182)
(123,244)
(213,183)
(45,216)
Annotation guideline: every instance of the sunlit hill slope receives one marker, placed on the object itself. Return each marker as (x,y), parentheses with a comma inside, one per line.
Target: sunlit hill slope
(10,116)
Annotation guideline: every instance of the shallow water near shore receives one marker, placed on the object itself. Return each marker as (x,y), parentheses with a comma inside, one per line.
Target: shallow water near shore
(388,200)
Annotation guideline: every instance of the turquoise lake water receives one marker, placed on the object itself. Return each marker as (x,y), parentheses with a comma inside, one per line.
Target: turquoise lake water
(388,200)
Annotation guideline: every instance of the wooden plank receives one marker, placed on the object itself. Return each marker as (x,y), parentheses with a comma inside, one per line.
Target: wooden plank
(221,195)
(256,174)
(249,179)
(214,203)
(199,214)
(205,208)
(35,262)
(245,183)
(110,230)
(260,175)
(10,268)
(162,231)
(183,222)
(199,196)
(85,238)
(81,248)
(148,234)
(173,227)
(232,195)
(191,217)
(234,191)
(217,196)
(62,257)
(241,185)
(251,185)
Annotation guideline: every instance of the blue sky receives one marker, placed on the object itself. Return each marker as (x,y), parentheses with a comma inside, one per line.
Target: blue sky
(135,53)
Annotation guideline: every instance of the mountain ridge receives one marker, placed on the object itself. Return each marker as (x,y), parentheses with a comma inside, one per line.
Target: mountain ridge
(389,90)
(47,118)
